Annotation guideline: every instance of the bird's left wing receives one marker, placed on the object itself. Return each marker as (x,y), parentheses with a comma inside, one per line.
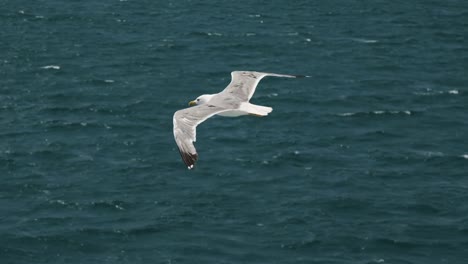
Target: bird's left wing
(185,124)
(244,83)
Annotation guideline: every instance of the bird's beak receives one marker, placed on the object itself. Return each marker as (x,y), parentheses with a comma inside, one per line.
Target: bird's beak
(192,103)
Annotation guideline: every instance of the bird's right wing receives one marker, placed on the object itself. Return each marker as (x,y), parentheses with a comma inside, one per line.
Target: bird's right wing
(185,124)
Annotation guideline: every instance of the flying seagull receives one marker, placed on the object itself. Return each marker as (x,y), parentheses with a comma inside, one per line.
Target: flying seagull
(232,101)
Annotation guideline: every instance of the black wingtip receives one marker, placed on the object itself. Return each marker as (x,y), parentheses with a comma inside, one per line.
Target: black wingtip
(189,159)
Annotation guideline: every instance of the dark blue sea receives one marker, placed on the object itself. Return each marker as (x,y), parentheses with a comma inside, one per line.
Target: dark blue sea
(364,162)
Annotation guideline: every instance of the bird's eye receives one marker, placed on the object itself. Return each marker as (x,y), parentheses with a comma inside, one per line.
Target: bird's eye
(198,100)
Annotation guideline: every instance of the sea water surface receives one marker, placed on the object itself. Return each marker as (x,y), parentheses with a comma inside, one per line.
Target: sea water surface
(364,162)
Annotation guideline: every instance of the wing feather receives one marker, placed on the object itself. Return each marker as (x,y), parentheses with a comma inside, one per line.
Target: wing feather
(185,124)
(244,83)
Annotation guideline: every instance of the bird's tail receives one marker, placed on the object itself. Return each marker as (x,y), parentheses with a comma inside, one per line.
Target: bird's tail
(257,110)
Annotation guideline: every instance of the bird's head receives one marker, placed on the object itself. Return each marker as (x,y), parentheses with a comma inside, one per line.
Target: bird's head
(202,99)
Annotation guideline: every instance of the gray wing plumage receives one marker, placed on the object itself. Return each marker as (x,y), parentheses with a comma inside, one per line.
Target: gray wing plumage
(243,83)
(185,133)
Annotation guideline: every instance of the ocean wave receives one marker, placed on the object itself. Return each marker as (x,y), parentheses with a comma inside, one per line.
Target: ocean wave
(54,67)
(115,205)
(208,33)
(423,155)
(119,205)
(378,112)
(428,154)
(70,124)
(362,40)
(431,92)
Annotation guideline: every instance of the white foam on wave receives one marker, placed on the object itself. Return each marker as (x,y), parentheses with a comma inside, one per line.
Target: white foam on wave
(407,112)
(465,156)
(431,92)
(256,16)
(217,34)
(369,41)
(378,112)
(54,67)
(347,114)
(432,153)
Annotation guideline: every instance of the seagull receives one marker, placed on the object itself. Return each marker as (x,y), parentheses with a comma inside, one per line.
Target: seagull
(232,101)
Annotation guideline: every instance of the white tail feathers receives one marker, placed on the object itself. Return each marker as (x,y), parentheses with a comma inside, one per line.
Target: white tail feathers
(255,109)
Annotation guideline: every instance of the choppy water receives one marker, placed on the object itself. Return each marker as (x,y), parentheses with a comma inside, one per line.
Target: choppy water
(366,162)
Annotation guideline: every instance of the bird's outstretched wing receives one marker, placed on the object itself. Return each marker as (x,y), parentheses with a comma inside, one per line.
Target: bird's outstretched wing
(243,83)
(185,133)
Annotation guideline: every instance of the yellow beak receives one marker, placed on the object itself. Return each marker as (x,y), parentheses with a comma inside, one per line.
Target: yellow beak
(192,103)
